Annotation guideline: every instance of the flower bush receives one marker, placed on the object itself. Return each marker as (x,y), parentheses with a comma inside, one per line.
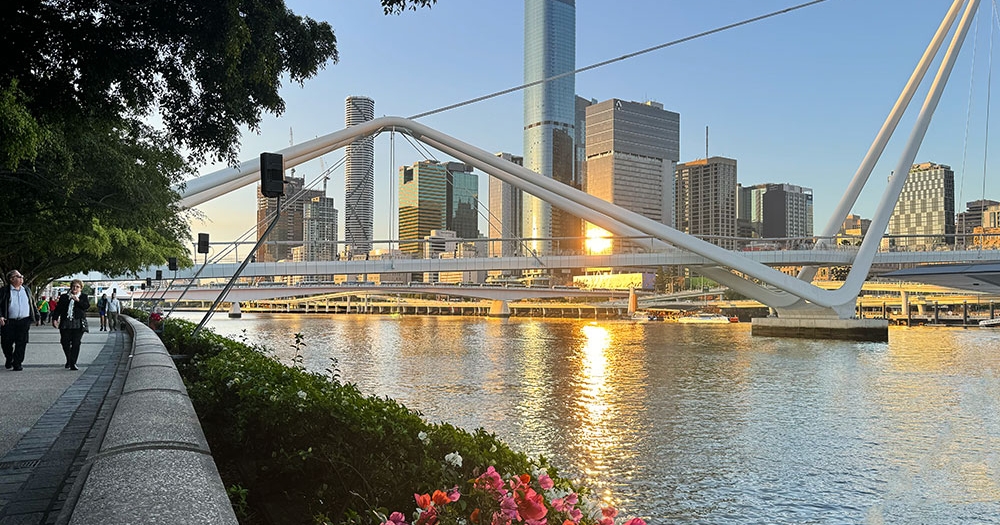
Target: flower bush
(522,499)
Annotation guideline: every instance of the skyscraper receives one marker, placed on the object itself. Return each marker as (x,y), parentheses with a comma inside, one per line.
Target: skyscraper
(423,196)
(288,232)
(632,153)
(462,204)
(706,199)
(359,179)
(787,211)
(505,213)
(549,108)
(319,229)
(926,207)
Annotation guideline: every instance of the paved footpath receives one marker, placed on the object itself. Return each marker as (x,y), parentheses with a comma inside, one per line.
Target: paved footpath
(49,419)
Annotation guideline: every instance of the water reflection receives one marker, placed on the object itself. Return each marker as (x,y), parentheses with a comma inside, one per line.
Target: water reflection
(706,425)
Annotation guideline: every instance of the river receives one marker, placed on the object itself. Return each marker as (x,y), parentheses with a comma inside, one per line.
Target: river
(695,424)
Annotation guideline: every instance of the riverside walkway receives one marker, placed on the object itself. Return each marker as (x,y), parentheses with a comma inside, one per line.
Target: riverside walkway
(115,442)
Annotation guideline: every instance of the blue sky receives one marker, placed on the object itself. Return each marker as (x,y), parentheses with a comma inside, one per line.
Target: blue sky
(797,98)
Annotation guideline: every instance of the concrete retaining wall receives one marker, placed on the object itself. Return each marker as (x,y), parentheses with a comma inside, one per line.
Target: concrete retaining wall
(154,465)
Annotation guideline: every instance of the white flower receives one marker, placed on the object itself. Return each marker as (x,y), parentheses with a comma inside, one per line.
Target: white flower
(454,459)
(493,448)
(422,436)
(302,395)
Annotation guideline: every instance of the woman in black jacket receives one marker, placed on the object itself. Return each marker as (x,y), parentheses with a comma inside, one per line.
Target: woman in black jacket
(70,316)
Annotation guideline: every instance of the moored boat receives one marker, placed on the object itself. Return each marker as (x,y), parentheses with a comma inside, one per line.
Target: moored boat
(705,318)
(989,323)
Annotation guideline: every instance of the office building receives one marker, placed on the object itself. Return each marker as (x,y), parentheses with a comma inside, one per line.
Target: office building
(706,200)
(787,211)
(319,230)
(505,214)
(924,216)
(549,108)
(437,196)
(359,179)
(423,196)
(287,233)
(462,200)
(970,219)
(632,151)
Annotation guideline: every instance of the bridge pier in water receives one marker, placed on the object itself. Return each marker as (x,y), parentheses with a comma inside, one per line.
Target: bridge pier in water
(499,308)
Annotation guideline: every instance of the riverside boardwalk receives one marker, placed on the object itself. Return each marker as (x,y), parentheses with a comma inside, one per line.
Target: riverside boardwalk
(115,442)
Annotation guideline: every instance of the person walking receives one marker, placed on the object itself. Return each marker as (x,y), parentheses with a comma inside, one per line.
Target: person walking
(114,308)
(43,311)
(102,310)
(18,311)
(69,316)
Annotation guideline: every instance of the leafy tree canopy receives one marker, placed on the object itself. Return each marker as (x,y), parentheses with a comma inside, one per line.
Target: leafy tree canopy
(86,184)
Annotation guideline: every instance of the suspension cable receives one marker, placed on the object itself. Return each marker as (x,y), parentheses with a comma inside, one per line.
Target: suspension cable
(619,59)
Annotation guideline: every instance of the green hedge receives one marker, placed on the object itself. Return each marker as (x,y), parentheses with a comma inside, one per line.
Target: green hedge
(300,447)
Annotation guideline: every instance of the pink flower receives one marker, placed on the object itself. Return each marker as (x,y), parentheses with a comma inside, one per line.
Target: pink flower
(545,482)
(490,480)
(576,515)
(572,499)
(396,518)
(559,504)
(508,507)
(609,512)
(454,494)
(530,504)
(606,521)
(635,521)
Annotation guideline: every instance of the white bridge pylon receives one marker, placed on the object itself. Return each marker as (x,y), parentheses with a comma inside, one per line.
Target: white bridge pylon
(790,296)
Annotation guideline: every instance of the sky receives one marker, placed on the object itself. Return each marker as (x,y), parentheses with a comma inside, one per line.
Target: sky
(797,98)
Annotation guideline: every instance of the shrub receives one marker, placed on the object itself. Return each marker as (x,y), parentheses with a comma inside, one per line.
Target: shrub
(305,447)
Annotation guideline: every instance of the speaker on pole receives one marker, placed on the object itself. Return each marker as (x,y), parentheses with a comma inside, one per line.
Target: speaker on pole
(172,264)
(159,275)
(202,243)
(272,176)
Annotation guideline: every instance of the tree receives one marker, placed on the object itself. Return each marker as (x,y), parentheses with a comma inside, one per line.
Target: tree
(86,183)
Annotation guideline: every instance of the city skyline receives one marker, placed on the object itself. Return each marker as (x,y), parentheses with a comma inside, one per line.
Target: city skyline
(784,96)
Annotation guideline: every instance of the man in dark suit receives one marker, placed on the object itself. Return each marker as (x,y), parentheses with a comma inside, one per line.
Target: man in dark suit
(18,311)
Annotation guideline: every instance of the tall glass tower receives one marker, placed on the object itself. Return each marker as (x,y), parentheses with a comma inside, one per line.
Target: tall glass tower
(549,108)
(359,179)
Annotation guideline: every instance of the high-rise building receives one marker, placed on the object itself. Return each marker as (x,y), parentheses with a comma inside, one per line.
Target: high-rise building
(787,211)
(319,230)
(706,199)
(970,219)
(549,107)
(632,153)
(505,213)
(287,233)
(462,213)
(359,179)
(423,196)
(853,230)
(924,216)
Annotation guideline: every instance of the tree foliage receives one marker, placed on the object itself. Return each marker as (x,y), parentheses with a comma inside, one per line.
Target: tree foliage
(86,183)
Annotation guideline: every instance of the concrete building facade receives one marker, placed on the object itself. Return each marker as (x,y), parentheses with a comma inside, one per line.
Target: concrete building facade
(287,233)
(505,213)
(359,180)
(924,216)
(632,151)
(706,200)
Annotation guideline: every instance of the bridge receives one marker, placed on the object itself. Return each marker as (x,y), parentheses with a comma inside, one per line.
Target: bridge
(793,297)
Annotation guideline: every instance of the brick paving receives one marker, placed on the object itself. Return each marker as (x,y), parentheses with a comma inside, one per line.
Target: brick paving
(38,474)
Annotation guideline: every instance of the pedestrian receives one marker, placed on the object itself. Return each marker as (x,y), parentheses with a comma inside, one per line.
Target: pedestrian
(70,317)
(43,311)
(18,312)
(102,310)
(114,308)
